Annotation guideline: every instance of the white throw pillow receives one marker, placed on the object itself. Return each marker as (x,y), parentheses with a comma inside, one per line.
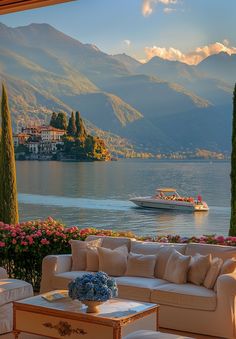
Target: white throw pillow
(177,268)
(229,266)
(199,266)
(79,252)
(113,262)
(141,265)
(213,272)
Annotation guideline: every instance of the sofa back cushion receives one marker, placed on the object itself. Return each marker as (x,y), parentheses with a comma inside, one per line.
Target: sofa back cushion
(113,262)
(198,269)
(223,252)
(140,265)
(111,242)
(79,253)
(177,268)
(161,250)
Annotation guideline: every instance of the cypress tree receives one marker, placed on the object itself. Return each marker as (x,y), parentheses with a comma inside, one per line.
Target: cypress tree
(8,187)
(232,230)
(53,121)
(80,128)
(71,129)
(61,121)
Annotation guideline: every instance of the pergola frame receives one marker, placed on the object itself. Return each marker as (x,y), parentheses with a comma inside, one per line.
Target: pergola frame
(11,6)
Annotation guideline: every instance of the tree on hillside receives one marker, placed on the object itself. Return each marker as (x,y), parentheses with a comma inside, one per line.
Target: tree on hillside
(61,121)
(232,230)
(53,121)
(8,187)
(71,129)
(80,128)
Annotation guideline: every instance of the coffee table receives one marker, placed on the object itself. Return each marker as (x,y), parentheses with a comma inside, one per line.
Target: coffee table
(68,319)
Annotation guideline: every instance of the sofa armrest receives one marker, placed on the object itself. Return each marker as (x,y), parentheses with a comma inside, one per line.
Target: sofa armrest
(51,265)
(3,273)
(226,283)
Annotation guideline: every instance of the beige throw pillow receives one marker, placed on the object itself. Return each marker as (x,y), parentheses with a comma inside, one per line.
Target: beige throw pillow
(199,266)
(113,262)
(79,252)
(229,266)
(177,268)
(140,265)
(92,259)
(213,272)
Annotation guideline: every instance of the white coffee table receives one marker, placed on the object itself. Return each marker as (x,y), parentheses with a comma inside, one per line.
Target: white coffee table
(68,319)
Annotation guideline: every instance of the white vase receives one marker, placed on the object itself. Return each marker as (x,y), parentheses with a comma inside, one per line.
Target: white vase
(92,305)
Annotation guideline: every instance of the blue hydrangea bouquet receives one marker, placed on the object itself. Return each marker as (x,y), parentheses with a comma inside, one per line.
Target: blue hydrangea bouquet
(97,287)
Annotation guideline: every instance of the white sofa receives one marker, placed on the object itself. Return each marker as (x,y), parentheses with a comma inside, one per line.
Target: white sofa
(10,290)
(186,307)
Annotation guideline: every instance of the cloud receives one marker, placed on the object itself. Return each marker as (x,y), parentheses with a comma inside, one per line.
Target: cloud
(127,42)
(191,58)
(148,5)
(168,10)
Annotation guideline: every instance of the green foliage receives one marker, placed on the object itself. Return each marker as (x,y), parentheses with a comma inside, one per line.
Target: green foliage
(232,230)
(8,187)
(53,121)
(71,129)
(61,121)
(80,128)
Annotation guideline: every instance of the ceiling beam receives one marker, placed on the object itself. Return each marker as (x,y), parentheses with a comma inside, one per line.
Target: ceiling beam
(10,6)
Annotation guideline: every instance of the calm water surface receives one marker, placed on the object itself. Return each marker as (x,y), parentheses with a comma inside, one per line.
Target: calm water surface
(97,194)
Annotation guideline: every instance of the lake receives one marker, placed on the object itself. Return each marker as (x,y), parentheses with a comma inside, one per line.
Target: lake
(97,194)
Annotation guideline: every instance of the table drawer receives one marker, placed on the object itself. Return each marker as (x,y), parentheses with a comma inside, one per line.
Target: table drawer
(58,327)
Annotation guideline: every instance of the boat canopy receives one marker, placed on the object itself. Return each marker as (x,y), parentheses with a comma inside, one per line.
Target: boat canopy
(169,190)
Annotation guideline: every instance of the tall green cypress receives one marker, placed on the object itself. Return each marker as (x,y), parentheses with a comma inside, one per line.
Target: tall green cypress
(53,121)
(80,128)
(8,187)
(232,230)
(71,129)
(61,121)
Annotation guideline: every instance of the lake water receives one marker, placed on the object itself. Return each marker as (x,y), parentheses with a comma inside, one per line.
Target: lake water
(97,194)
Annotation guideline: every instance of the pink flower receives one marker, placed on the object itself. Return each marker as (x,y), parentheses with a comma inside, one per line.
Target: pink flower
(24,243)
(2,244)
(44,241)
(14,241)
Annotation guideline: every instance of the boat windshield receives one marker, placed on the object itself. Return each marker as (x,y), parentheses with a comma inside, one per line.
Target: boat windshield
(171,194)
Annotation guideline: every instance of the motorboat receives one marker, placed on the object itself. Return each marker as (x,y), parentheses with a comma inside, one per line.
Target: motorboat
(169,198)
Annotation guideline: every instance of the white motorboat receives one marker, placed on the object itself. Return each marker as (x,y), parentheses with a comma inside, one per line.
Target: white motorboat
(169,198)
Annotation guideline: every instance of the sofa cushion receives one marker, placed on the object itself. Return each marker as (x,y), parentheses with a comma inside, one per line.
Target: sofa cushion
(229,266)
(111,242)
(79,252)
(140,265)
(137,288)
(113,262)
(185,296)
(60,281)
(162,250)
(92,261)
(213,272)
(199,266)
(14,289)
(223,252)
(144,334)
(177,268)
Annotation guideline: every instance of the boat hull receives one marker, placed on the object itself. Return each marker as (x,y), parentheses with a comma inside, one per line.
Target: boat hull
(148,202)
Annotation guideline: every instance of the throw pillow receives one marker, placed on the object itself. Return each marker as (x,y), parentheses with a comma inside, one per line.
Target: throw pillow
(79,252)
(140,265)
(199,266)
(177,268)
(92,263)
(113,262)
(229,266)
(213,273)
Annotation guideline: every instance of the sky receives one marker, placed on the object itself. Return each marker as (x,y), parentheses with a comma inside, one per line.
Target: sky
(184,30)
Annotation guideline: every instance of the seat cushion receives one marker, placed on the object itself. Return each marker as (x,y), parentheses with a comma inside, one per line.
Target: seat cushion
(143,334)
(6,318)
(137,288)
(14,289)
(61,280)
(185,296)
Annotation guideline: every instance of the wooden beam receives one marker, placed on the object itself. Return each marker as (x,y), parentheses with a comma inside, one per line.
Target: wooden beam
(10,6)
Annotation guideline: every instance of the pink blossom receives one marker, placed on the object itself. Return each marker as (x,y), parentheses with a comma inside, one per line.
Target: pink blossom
(44,241)
(14,241)
(24,243)
(2,244)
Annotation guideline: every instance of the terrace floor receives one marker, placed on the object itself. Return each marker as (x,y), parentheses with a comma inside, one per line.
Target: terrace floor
(30,336)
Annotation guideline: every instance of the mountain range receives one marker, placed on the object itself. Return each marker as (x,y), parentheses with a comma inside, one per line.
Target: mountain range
(157,106)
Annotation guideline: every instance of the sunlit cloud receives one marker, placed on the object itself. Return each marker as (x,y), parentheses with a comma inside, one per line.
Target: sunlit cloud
(191,58)
(127,42)
(148,5)
(168,10)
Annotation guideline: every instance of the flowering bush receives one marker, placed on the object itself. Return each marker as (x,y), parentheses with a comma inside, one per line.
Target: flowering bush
(93,286)
(23,246)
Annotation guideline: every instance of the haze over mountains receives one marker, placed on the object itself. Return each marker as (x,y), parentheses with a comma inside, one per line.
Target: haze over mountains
(161,105)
